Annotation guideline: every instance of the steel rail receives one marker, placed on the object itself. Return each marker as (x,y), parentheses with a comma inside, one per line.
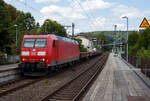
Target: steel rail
(63,86)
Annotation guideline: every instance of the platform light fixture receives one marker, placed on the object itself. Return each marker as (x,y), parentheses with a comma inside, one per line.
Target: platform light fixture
(125,17)
(16,35)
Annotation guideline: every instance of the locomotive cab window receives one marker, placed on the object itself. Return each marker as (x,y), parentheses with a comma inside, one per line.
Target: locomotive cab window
(53,43)
(28,42)
(41,42)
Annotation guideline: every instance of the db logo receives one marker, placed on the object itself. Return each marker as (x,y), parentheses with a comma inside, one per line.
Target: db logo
(33,50)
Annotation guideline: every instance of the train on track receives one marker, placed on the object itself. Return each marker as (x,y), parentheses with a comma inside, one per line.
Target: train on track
(43,53)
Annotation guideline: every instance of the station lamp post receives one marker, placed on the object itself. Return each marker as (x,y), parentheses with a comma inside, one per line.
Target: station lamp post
(125,17)
(16,35)
(115,28)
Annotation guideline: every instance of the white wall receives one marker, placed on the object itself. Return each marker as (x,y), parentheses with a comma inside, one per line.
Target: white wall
(86,42)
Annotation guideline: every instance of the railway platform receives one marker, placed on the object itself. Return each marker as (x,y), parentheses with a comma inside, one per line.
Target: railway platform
(8,72)
(119,81)
(8,67)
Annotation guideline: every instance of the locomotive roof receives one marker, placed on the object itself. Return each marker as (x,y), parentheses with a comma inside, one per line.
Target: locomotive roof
(66,39)
(52,36)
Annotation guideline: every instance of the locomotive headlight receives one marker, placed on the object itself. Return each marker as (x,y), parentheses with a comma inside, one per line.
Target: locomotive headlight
(42,53)
(42,59)
(24,59)
(25,53)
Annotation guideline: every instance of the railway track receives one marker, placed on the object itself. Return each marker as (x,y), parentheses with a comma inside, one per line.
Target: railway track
(72,90)
(16,84)
(20,83)
(13,88)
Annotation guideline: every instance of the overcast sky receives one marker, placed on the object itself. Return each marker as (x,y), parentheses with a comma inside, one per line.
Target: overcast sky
(88,15)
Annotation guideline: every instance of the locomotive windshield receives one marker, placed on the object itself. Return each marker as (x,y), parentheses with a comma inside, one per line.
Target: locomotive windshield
(34,43)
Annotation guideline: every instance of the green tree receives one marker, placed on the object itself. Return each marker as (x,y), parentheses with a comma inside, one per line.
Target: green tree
(53,27)
(139,44)
(82,48)
(144,39)
(12,12)
(4,24)
(25,21)
(9,16)
(132,40)
(99,37)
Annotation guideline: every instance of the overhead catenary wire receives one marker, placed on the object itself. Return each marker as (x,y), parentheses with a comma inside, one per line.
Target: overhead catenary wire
(83,28)
(88,6)
(61,17)
(85,13)
(36,10)
(32,8)
(39,13)
(25,4)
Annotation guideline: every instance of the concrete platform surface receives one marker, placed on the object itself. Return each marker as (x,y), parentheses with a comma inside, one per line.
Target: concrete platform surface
(118,82)
(8,67)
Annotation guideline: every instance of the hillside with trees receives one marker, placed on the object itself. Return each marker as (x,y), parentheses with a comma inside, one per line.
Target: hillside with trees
(26,24)
(105,39)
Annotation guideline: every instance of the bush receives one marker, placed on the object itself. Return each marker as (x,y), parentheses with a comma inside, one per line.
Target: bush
(133,39)
(143,53)
(133,50)
(144,39)
(1,53)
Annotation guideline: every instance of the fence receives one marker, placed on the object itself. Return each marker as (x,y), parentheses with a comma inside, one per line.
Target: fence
(123,56)
(145,67)
(144,64)
(7,59)
(133,60)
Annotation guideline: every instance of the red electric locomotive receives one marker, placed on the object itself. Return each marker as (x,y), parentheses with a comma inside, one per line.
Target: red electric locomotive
(41,53)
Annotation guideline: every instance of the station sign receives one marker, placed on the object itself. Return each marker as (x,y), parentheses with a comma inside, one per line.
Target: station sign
(144,24)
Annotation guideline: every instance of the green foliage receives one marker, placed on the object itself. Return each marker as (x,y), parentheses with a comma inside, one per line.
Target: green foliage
(139,44)
(144,39)
(133,38)
(4,26)
(2,53)
(97,47)
(143,53)
(133,50)
(82,48)
(53,27)
(25,21)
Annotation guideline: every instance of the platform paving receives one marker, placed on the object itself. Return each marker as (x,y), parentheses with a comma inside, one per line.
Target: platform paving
(118,82)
